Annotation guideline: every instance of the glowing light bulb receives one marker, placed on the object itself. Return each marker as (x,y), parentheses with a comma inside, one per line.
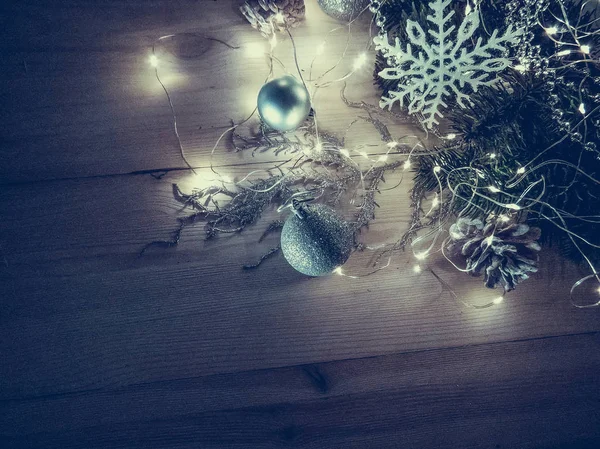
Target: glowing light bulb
(407,164)
(498,300)
(585,49)
(520,68)
(493,156)
(489,240)
(503,218)
(339,271)
(493,189)
(321,48)
(582,108)
(513,206)
(255,49)
(451,136)
(383,158)
(598,290)
(552,30)
(563,53)
(153,60)
(344,152)
(417,269)
(521,170)
(437,169)
(421,256)
(360,61)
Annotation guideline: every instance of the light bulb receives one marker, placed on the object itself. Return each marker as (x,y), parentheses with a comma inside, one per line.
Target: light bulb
(552,30)
(153,60)
(498,300)
(521,170)
(582,109)
(513,206)
(493,189)
(255,49)
(417,269)
(360,61)
(585,49)
(437,169)
(407,164)
(520,68)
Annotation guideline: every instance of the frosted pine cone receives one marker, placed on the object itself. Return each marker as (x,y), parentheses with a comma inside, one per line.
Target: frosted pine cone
(260,14)
(505,252)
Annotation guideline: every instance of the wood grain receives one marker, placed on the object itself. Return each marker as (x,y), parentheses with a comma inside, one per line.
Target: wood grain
(465,397)
(181,347)
(86,312)
(86,103)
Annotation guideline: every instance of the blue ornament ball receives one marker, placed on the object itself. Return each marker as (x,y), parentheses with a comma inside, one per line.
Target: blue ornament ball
(283,103)
(315,240)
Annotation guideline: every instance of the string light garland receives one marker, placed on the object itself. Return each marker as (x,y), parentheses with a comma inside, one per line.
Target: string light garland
(506,176)
(153,60)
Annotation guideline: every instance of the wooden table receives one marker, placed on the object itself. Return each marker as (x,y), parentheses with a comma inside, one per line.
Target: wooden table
(181,348)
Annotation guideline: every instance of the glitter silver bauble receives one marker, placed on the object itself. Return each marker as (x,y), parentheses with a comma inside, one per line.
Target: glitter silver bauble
(283,103)
(315,240)
(345,10)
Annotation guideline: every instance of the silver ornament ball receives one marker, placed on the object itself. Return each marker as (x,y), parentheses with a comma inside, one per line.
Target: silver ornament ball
(315,240)
(283,103)
(344,10)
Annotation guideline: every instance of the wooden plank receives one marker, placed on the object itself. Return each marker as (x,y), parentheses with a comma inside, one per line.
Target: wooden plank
(541,393)
(83,311)
(80,98)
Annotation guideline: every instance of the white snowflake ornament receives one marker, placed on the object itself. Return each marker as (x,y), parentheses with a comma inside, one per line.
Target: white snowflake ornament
(442,69)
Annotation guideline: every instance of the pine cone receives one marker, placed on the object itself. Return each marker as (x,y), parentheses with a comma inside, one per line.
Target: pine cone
(502,250)
(260,12)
